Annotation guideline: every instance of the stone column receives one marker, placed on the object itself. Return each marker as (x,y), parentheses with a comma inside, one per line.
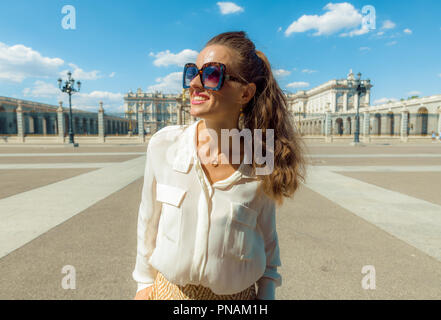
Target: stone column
(337,128)
(179,111)
(60,118)
(404,129)
(345,101)
(368,97)
(328,124)
(366,124)
(101,129)
(141,123)
(334,101)
(345,126)
(439,121)
(44,124)
(397,119)
(384,124)
(20,124)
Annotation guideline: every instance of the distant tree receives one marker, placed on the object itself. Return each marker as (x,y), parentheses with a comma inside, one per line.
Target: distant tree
(413,97)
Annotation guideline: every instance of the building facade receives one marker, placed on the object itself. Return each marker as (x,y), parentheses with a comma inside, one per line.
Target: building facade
(159,109)
(330,110)
(34,118)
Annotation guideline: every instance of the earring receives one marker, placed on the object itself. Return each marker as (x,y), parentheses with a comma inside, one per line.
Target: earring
(241,122)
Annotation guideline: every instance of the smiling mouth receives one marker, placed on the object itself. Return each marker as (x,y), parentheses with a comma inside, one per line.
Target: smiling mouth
(199,99)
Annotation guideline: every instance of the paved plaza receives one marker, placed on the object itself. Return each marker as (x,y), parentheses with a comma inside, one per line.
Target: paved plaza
(378,205)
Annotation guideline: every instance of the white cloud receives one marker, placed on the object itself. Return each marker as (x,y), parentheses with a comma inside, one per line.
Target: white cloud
(80,74)
(281,72)
(171,83)
(384,100)
(112,102)
(380,33)
(166,58)
(392,43)
(414,93)
(229,7)
(299,84)
(112,75)
(19,62)
(339,16)
(408,31)
(81,100)
(309,71)
(365,49)
(358,32)
(387,24)
(42,89)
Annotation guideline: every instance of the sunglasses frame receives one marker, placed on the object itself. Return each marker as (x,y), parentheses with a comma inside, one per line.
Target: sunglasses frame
(223,76)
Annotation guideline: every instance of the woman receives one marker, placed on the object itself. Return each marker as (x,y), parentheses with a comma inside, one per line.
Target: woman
(206,229)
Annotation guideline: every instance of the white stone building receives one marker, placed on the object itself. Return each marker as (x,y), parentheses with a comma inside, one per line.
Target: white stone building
(160,109)
(414,117)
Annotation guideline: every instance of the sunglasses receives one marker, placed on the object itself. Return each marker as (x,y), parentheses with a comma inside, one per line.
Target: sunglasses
(212,75)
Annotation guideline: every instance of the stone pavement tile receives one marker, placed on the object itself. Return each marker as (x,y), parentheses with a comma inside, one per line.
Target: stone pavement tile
(413,220)
(422,185)
(324,247)
(376,161)
(100,242)
(27,215)
(17,181)
(103,158)
(372,149)
(80,149)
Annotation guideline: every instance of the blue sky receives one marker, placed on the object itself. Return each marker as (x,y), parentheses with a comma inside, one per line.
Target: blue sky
(119,46)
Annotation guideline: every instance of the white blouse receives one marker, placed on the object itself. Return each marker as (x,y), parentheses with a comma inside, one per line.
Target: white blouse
(228,243)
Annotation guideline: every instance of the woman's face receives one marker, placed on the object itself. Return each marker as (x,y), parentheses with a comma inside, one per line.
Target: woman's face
(224,104)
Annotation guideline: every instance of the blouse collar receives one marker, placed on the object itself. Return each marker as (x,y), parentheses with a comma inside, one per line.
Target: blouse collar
(187,154)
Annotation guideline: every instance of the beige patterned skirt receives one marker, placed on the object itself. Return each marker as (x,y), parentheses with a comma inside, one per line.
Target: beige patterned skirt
(165,290)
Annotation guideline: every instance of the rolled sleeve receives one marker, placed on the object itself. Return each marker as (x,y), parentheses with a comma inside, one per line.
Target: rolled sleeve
(271,278)
(148,219)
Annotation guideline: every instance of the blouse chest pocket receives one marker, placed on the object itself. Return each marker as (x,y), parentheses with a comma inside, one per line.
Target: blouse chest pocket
(171,212)
(240,232)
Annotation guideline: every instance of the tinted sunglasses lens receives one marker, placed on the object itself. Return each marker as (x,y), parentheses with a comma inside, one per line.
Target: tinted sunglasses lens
(190,73)
(211,76)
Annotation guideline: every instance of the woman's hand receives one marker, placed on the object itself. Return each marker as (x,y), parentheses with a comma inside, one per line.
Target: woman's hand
(144,294)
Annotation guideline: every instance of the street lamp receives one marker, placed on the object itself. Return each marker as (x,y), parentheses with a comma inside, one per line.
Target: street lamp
(69,89)
(359,87)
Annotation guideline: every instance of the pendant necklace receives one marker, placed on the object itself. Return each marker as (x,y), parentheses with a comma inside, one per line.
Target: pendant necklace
(214,162)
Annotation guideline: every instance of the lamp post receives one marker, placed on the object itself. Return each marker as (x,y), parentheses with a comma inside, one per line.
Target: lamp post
(70,89)
(359,87)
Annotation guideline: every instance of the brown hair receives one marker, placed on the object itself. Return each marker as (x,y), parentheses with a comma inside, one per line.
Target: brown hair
(268,109)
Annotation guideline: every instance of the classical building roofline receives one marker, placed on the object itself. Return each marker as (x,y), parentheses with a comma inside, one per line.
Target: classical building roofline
(43,107)
(406,103)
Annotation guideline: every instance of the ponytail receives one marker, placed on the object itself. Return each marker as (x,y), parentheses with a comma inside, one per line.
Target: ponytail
(268,109)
